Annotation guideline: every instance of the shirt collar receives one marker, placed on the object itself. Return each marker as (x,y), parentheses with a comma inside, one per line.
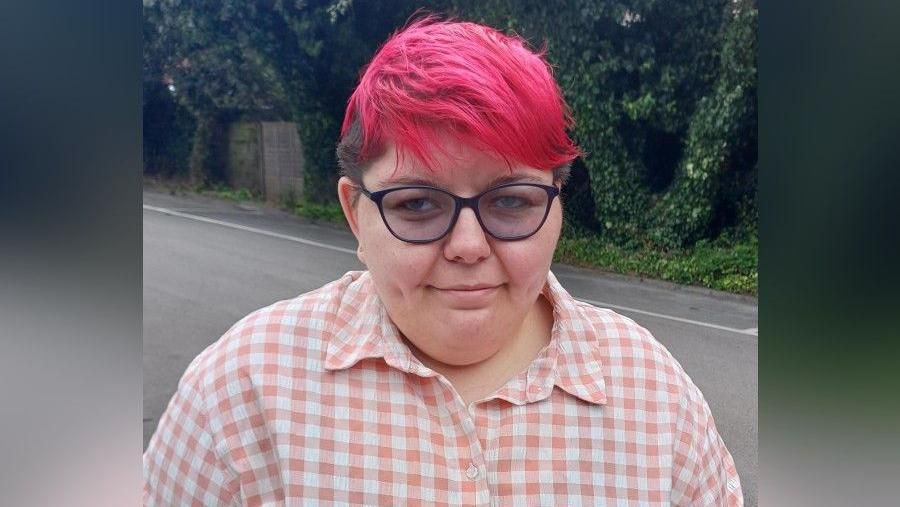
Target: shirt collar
(363,330)
(572,361)
(578,367)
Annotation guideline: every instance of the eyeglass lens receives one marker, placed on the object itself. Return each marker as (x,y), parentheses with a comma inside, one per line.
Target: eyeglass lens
(422,214)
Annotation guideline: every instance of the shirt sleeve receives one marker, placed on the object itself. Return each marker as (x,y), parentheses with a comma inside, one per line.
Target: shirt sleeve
(181,465)
(703,471)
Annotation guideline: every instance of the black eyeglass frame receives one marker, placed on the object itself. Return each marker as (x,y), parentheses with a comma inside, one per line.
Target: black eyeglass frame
(459,204)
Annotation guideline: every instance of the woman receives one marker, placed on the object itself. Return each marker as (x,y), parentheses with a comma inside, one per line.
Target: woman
(455,370)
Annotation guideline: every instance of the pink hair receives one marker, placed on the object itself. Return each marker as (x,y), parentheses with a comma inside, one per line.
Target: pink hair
(484,88)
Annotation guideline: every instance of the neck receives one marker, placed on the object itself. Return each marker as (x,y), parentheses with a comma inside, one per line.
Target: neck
(476,381)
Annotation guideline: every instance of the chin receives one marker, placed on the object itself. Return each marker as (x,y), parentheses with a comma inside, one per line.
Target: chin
(465,357)
(457,336)
(466,344)
(468,322)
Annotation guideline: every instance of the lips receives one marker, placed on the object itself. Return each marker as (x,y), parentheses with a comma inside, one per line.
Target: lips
(467,296)
(475,287)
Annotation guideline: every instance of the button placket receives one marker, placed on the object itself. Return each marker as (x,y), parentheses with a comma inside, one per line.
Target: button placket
(471,471)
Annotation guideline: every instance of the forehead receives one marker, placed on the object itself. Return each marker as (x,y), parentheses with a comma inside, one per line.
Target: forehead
(455,167)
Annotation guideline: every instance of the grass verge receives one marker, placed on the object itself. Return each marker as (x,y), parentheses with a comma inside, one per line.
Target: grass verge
(232,194)
(725,264)
(331,213)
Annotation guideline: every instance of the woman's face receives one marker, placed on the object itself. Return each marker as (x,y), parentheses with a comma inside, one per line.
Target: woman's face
(462,298)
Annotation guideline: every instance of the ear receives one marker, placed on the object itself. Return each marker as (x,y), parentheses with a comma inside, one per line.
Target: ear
(348,195)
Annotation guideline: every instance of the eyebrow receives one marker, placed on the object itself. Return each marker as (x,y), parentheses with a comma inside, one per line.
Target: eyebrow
(418,180)
(514,178)
(405,180)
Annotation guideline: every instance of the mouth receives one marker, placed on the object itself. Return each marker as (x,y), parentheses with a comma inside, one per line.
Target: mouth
(470,288)
(468,296)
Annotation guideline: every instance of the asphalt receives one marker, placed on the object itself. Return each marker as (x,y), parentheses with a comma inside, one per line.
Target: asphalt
(209,262)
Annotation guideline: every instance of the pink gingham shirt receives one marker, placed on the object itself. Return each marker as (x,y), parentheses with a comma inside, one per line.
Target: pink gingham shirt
(317,401)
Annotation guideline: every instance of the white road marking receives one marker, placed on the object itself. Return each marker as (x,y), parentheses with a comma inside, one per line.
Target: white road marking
(239,227)
(751,331)
(166,211)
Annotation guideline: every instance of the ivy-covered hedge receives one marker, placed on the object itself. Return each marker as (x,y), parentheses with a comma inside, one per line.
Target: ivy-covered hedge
(168,130)
(664,94)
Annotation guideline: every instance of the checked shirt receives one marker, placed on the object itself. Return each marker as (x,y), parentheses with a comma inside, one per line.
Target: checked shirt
(316,400)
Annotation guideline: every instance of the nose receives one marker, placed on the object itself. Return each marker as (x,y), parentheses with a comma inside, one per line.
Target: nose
(467,242)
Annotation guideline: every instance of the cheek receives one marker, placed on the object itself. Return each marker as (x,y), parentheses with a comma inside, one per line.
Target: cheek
(527,262)
(394,264)
(527,266)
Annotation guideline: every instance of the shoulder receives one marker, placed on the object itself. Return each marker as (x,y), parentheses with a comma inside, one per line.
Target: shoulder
(284,335)
(638,369)
(648,391)
(629,348)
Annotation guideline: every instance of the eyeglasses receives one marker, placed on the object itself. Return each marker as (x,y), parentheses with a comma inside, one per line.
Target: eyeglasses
(422,214)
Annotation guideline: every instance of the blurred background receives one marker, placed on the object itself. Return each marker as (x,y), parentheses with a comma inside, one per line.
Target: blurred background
(244,100)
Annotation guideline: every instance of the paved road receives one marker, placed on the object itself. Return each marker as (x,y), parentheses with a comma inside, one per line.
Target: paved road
(207,263)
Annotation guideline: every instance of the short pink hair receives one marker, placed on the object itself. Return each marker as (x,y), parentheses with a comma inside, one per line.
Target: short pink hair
(484,88)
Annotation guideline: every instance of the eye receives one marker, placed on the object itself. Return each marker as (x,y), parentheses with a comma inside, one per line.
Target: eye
(417,205)
(509,202)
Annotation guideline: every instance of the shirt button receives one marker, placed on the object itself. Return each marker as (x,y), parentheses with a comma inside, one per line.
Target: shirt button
(472,471)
